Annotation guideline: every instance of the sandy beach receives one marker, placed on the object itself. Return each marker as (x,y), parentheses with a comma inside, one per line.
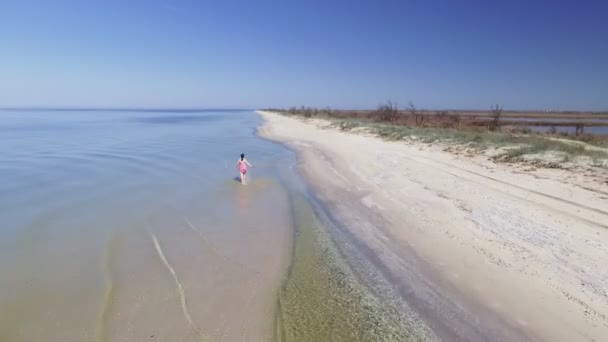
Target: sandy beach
(481,251)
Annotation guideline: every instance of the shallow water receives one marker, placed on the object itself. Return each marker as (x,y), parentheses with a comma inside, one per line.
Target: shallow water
(595,130)
(127,225)
(602,120)
(124,226)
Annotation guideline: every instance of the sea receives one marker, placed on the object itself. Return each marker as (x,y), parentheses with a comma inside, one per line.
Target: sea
(132,225)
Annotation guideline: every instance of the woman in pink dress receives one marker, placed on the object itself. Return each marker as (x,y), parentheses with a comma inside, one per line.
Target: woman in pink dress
(241,165)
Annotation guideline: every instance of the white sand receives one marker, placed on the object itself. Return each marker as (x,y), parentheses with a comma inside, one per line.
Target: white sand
(484,250)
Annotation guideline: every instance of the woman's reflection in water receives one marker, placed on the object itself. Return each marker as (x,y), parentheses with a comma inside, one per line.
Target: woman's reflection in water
(243,200)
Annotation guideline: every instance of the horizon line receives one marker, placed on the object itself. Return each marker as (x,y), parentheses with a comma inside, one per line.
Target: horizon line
(134,109)
(198,109)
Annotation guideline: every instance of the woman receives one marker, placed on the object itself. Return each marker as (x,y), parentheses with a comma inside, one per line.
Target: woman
(241,165)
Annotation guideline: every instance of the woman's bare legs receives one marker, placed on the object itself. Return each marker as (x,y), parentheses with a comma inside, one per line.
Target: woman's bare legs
(242,178)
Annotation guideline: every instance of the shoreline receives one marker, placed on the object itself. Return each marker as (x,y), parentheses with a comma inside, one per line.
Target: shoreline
(469,275)
(323,295)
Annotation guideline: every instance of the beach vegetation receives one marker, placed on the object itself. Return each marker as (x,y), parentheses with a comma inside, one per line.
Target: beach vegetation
(478,132)
(495,121)
(388,112)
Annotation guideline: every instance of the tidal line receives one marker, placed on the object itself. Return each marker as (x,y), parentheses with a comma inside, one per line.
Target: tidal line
(180,288)
(108,290)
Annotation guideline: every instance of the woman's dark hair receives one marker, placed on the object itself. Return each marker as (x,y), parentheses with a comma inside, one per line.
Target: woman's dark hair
(242,156)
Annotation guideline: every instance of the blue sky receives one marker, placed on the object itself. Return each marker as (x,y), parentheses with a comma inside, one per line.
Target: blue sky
(343,54)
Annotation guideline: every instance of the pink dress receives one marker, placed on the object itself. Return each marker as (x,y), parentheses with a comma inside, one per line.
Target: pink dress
(242,167)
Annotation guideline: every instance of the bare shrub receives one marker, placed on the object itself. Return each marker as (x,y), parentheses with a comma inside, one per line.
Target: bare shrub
(388,111)
(419,118)
(457,120)
(443,119)
(306,111)
(580,129)
(495,121)
(552,130)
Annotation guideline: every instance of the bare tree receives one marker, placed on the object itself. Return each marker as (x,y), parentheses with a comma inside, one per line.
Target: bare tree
(441,117)
(419,118)
(495,122)
(388,111)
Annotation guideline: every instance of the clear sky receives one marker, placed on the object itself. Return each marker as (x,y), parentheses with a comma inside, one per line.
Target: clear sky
(343,54)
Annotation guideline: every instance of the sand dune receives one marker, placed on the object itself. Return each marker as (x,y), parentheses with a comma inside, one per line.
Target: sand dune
(483,251)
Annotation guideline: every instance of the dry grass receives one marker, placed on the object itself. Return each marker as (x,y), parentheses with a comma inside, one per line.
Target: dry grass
(496,119)
(515,145)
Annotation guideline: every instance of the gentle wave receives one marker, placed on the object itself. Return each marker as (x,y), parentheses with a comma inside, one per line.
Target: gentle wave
(69,187)
(180,287)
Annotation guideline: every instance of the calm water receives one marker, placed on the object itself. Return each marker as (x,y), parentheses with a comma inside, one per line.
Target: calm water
(131,226)
(125,225)
(596,130)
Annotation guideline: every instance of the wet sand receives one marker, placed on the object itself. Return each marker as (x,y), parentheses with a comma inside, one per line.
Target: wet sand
(479,251)
(328,295)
